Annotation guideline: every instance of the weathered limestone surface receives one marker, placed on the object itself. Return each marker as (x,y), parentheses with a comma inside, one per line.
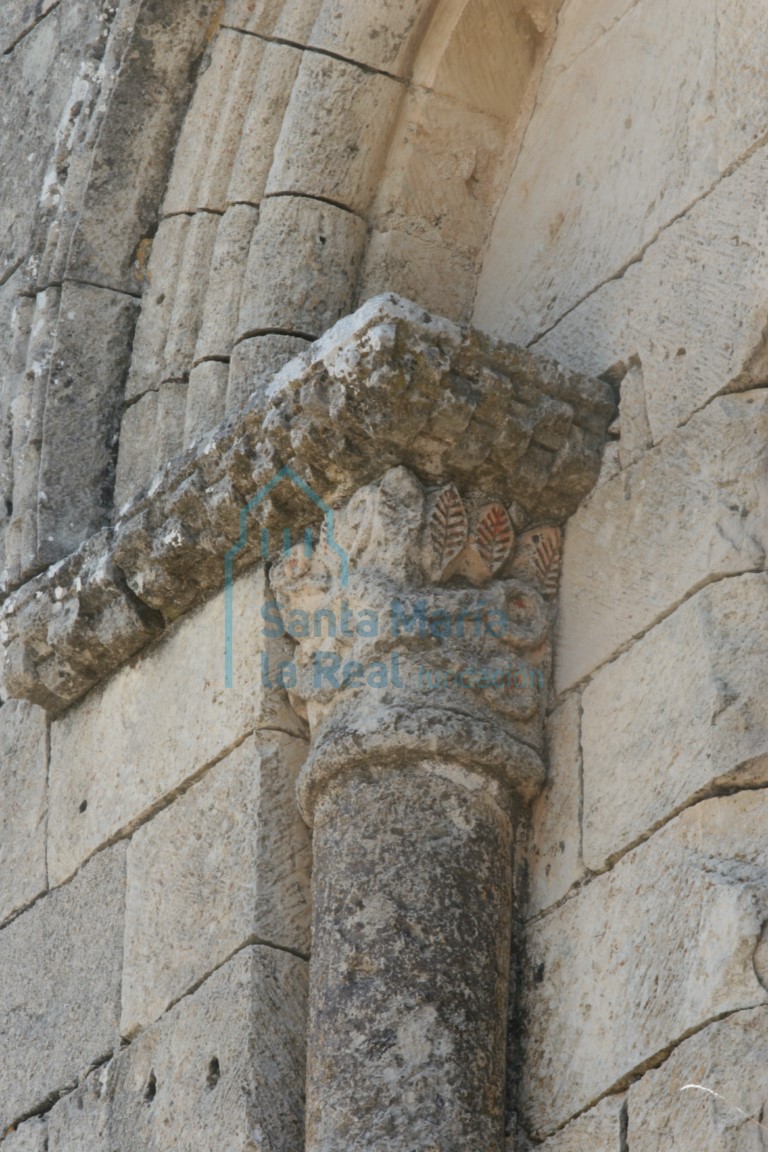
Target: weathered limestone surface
(269,100)
(18,20)
(410,943)
(227,863)
(402,680)
(691,511)
(29,1137)
(599,1130)
(26,388)
(222,302)
(163,272)
(224,1069)
(430,392)
(38,79)
(554,859)
(437,275)
(412,784)
(157,723)
(344,117)
(437,190)
(287,19)
(138,458)
(131,159)
(444,184)
(423,384)
(726,1113)
(185,308)
(382,37)
(643,955)
(94,95)
(168,327)
(208,143)
(83,401)
(302,267)
(23,805)
(550,246)
(695,337)
(60,968)
(16,315)
(681,715)
(65,629)
(206,399)
(254,365)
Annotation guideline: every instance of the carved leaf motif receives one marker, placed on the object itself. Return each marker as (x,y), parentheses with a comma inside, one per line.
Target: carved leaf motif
(545,547)
(449,527)
(494,536)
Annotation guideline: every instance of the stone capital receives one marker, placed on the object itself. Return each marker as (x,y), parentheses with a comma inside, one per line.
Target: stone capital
(422,633)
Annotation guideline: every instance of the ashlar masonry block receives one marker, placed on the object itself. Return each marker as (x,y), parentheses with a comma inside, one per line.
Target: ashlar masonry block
(29,1137)
(60,973)
(23,805)
(598,1130)
(225,864)
(158,723)
(553,860)
(681,715)
(643,956)
(709,1094)
(689,512)
(223,1070)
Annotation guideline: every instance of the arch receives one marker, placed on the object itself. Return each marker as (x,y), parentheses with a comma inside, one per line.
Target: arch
(80,277)
(331,152)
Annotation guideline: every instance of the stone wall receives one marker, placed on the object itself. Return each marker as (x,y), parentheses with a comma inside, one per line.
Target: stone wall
(194,193)
(155,879)
(630,244)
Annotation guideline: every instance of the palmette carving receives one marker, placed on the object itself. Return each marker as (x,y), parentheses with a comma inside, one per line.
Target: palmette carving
(538,559)
(449,529)
(424,613)
(494,537)
(489,543)
(475,539)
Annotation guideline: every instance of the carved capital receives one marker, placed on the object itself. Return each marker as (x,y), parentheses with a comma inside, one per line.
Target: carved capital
(431,634)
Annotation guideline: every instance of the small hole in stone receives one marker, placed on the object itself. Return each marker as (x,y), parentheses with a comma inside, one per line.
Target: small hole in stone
(680,353)
(214,1073)
(83,807)
(538,975)
(321,239)
(151,1090)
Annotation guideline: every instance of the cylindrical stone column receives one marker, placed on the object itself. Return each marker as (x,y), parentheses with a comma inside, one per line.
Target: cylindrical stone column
(423,680)
(412,921)
(410,961)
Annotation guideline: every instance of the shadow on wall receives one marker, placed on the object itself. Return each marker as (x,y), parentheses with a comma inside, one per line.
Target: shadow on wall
(457,134)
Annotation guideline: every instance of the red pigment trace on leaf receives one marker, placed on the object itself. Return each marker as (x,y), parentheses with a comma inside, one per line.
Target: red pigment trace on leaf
(495,536)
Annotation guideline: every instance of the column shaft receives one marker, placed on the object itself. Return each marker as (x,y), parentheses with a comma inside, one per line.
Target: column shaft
(409,984)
